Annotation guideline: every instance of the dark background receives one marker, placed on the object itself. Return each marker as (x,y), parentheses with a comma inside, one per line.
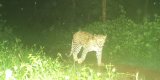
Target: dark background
(31,20)
(44,13)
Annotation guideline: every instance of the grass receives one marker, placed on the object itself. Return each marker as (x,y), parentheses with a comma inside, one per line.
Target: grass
(21,63)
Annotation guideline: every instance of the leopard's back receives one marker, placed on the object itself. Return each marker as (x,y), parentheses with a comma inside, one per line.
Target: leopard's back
(81,37)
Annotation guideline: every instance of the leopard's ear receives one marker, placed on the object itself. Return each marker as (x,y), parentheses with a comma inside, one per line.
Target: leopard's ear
(94,34)
(105,36)
(79,29)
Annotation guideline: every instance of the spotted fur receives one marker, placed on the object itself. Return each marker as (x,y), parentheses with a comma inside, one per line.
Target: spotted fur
(89,42)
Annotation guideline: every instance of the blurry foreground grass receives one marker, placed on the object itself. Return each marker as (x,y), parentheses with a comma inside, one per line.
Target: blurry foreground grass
(21,63)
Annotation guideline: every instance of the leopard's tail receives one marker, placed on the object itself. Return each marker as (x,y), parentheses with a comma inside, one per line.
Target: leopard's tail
(71,52)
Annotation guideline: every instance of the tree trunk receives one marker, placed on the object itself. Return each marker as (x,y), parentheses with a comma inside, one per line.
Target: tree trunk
(74,10)
(145,9)
(103,10)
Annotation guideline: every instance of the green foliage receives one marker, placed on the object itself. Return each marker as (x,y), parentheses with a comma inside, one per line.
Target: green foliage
(19,63)
(5,31)
(129,41)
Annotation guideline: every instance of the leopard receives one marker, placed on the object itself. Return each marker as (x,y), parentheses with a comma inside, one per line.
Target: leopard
(87,42)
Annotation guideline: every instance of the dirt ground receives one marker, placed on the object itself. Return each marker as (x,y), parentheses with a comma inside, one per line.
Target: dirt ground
(144,73)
